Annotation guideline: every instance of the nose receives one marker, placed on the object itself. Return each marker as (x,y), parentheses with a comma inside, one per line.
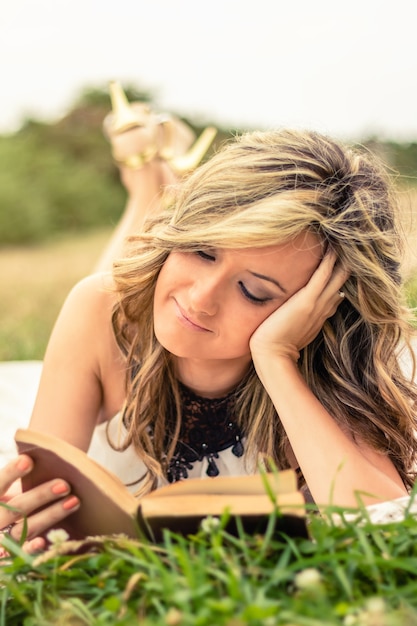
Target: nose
(204,295)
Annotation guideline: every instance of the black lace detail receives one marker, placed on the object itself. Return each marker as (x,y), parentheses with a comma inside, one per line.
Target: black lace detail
(207,428)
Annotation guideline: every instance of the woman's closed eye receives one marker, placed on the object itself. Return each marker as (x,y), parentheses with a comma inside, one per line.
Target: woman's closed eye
(209,255)
(250,296)
(204,254)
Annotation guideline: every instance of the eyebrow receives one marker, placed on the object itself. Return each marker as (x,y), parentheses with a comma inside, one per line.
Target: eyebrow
(270,280)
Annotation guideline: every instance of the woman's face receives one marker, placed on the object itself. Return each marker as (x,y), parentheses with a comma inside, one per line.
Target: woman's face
(208,304)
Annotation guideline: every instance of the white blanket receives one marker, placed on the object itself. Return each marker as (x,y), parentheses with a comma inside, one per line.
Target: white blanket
(19,382)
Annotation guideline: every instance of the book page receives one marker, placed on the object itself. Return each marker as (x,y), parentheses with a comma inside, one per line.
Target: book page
(282,482)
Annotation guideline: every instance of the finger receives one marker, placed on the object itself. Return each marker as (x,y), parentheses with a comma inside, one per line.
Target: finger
(30,547)
(332,294)
(338,278)
(43,520)
(321,275)
(329,278)
(14,470)
(24,503)
(334,302)
(34,545)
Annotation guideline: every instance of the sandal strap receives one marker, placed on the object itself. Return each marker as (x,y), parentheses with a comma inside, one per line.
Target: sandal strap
(139,160)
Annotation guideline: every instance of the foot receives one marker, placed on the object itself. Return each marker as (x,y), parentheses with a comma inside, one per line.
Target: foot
(138,136)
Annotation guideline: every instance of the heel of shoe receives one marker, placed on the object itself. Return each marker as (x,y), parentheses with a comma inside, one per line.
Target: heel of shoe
(187,162)
(124,116)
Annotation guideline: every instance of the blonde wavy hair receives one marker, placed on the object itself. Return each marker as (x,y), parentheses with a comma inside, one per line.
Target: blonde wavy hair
(265,188)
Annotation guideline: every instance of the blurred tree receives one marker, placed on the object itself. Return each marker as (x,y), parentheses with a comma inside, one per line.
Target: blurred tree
(60,177)
(401,157)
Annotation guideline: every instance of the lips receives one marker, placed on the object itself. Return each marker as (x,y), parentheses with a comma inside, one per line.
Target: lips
(187,321)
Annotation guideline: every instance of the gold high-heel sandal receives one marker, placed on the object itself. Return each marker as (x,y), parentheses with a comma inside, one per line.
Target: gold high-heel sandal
(168,135)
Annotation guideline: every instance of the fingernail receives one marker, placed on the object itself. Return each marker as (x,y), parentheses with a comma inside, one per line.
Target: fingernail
(24,464)
(71,503)
(60,489)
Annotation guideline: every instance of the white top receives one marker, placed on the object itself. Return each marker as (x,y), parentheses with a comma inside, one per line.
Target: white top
(129,467)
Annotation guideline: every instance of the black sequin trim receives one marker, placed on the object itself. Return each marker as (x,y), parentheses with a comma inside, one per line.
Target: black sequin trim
(207,428)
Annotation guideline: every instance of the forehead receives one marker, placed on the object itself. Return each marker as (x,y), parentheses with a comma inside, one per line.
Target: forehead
(306,246)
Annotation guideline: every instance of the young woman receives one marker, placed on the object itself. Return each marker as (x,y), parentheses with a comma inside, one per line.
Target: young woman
(259,315)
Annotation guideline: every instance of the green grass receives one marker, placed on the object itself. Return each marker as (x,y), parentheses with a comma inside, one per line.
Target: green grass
(352,574)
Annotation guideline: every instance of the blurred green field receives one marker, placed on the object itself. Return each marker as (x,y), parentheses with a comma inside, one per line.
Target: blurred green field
(35,281)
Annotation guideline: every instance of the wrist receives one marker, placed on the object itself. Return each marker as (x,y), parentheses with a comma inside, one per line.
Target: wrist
(272,367)
(271,351)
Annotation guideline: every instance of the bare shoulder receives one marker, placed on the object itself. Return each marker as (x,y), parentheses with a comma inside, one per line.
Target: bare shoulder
(85,318)
(94,292)
(83,370)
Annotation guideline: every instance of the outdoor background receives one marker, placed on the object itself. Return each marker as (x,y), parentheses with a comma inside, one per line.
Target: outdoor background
(348,70)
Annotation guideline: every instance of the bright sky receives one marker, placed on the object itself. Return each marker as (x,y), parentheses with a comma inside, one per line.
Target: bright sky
(347,68)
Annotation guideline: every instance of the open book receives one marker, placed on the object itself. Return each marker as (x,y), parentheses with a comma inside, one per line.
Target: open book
(107,507)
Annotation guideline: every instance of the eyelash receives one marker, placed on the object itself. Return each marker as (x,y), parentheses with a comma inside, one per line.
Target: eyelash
(205,255)
(245,292)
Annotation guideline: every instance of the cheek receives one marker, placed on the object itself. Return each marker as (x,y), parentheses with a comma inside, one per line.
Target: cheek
(167,276)
(257,320)
(250,321)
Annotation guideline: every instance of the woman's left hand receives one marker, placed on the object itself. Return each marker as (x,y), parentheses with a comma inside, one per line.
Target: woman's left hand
(37,510)
(299,320)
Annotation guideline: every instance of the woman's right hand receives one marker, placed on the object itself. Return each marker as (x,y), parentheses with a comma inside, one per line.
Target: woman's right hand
(54,495)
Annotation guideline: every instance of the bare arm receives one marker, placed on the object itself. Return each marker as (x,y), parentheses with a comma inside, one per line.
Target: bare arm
(334,466)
